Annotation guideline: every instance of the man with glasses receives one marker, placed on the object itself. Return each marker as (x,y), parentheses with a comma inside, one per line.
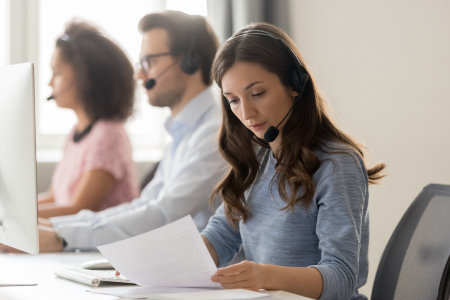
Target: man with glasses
(176,57)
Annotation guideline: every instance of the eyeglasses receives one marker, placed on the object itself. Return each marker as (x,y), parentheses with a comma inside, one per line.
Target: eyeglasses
(144,62)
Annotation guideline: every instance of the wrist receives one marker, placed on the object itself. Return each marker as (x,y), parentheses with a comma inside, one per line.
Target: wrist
(267,282)
(50,240)
(60,243)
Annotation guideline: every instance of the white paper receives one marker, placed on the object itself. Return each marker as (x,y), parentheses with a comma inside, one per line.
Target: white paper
(237,294)
(170,256)
(3,284)
(139,292)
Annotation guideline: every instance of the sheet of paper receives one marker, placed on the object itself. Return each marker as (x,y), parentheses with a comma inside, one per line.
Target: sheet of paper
(170,256)
(3,284)
(237,294)
(139,292)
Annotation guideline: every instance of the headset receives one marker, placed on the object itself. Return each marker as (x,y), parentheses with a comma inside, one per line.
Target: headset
(191,60)
(299,77)
(66,38)
(190,63)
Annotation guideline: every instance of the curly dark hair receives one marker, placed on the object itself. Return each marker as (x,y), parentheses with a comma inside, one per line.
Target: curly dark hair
(103,73)
(308,128)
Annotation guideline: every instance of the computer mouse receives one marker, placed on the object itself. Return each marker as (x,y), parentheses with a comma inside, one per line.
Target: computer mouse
(101,264)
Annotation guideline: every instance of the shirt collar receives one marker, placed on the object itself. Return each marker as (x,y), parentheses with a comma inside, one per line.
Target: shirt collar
(191,113)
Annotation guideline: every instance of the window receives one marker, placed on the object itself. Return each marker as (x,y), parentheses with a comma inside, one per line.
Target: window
(193,7)
(4,32)
(120,22)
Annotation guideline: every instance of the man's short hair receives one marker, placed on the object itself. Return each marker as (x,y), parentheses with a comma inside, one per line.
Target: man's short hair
(179,27)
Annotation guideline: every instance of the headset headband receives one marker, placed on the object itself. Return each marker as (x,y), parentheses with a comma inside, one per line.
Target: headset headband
(299,77)
(259,32)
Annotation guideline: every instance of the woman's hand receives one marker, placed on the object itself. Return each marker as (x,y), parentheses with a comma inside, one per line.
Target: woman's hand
(244,275)
(45,222)
(7,249)
(49,240)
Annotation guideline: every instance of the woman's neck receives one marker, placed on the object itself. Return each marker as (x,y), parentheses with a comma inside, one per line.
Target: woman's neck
(83,120)
(275,144)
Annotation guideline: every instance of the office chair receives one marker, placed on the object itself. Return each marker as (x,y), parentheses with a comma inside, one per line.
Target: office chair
(415,263)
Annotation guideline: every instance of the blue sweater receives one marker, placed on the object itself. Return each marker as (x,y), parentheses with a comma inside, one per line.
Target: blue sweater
(331,235)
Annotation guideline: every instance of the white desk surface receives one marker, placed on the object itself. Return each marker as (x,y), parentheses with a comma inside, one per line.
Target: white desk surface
(39,268)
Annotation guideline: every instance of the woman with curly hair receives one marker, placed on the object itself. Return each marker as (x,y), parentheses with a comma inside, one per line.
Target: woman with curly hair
(93,77)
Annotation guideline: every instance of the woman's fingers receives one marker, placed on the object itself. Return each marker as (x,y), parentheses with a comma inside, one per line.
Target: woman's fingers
(230,278)
(235,269)
(8,249)
(240,285)
(244,275)
(117,273)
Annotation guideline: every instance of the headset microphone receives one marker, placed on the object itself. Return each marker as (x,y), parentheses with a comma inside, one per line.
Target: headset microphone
(150,83)
(272,132)
(299,77)
(52,96)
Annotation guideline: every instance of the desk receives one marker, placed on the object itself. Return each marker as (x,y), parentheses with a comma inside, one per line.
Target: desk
(40,268)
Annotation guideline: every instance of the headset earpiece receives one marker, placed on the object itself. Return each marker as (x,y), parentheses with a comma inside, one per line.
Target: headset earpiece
(303,78)
(190,63)
(298,77)
(295,81)
(191,60)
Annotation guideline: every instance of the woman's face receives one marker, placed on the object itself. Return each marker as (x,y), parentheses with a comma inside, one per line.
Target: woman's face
(63,82)
(256,96)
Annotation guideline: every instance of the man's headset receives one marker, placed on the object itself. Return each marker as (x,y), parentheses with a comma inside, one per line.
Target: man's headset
(190,63)
(299,77)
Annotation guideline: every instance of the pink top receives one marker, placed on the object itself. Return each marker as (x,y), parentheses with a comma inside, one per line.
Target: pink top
(105,147)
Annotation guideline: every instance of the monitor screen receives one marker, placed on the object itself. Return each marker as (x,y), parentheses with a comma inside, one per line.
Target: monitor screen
(18,191)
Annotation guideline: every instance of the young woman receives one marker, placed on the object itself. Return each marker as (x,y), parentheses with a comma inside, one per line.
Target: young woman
(297,204)
(93,77)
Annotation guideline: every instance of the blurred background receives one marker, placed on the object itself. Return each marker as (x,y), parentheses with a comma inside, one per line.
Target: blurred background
(383,66)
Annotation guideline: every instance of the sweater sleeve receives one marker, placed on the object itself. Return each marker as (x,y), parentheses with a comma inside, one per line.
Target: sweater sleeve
(341,198)
(223,237)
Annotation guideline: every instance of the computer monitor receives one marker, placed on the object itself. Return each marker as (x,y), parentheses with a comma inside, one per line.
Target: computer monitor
(18,191)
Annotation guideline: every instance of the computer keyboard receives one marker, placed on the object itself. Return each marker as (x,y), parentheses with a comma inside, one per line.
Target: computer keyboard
(90,277)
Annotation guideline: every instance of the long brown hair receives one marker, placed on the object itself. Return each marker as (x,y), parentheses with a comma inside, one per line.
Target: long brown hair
(308,128)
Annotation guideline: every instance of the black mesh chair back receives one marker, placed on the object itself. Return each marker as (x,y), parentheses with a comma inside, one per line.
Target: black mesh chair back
(415,263)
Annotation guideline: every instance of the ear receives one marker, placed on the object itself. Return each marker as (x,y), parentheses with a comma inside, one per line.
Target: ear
(294,93)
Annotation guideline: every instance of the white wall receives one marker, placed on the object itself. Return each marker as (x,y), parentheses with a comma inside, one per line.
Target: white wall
(384,66)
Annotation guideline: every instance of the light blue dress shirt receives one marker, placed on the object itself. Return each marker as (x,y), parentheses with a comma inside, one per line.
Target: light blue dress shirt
(182,184)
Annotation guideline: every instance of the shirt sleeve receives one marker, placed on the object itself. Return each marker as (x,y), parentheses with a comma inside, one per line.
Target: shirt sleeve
(186,194)
(342,209)
(225,239)
(110,146)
